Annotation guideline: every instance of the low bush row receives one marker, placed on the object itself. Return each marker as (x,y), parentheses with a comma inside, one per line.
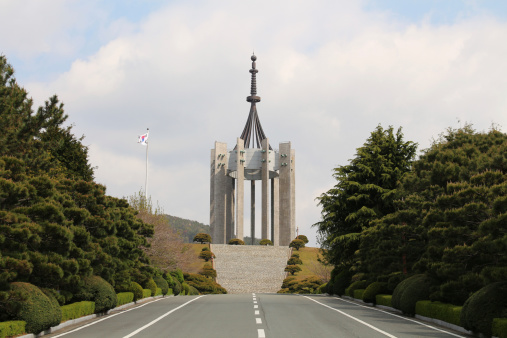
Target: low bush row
(447,312)
(12,328)
(76,310)
(125,298)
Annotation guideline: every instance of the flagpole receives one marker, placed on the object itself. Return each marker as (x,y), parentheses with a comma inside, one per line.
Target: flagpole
(146,181)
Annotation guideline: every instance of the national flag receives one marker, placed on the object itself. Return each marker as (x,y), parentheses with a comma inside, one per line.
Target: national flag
(143,139)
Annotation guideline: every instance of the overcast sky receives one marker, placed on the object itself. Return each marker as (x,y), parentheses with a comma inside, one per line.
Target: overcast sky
(329,73)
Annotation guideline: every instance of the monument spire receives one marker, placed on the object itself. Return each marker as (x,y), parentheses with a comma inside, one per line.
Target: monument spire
(253,133)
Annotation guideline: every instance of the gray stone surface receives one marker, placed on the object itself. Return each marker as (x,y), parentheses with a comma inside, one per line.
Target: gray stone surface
(250,268)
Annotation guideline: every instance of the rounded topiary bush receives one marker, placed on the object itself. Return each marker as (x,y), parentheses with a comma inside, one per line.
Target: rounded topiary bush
(265,242)
(161,283)
(236,241)
(294,260)
(28,303)
(97,290)
(151,285)
(374,289)
(483,306)
(176,287)
(360,284)
(393,281)
(340,282)
(137,290)
(410,291)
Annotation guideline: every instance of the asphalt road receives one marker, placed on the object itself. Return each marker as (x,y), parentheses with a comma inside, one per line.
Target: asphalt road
(254,315)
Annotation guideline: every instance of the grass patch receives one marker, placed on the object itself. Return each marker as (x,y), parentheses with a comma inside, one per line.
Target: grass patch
(311,266)
(195,264)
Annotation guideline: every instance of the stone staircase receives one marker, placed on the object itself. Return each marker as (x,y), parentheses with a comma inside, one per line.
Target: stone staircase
(250,268)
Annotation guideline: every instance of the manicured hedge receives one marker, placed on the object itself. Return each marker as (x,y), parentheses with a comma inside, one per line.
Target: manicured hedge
(76,310)
(321,289)
(447,312)
(146,293)
(375,288)
(99,291)
(161,283)
(340,283)
(150,284)
(203,285)
(137,290)
(483,306)
(176,286)
(124,298)
(358,294)
(362,284)
(39,311)
(410,291)
(499,328)
(12,328)
(385,300)
(169,292)
(158,292)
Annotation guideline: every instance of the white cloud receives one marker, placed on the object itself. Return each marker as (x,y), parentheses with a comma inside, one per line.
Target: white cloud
(329,73)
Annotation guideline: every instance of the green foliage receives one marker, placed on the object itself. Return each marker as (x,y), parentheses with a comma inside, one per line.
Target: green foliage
(365,191)
(12,328)
(371,292)
(124,298)
(294,261)
(202,238)
(308,285)
(341,281)
(158,292)
(76,310)
(204,285)
(150,284)
(483,306)
(178,274)
(147,293)
(447,312)
(205,249)
(265,242)
(410,291)
(395,279)
(499,328)
(96,289)
(186,288)
(297,244)
(206,255)
(385,300)
(192,291)
(321,289)
(236,241)
(303,238)
(208,271)
(162,284)
(137,290)
(292,269)
(176,287)
(28,303)
(358,293)
(360,284)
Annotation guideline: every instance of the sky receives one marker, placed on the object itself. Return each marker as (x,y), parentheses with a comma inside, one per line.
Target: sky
(329,73)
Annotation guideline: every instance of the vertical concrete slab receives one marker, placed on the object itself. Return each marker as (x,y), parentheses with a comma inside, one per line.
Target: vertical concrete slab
(220,188)
(240,187)
(285,191)
(275,212)
(229,217)
(265,189)
(293,193)
(212,193)
(252,210)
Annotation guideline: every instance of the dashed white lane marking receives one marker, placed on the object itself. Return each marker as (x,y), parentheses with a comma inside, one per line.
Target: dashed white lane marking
(159,318)
(260,333)
(257,312)
(258,320)
(255,302)
(256,306)
(354,318)
(395,315)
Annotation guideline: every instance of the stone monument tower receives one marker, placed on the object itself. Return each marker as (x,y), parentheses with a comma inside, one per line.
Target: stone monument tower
(253,159)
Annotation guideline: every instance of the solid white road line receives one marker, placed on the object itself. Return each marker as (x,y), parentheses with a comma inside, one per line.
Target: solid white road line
(257,312)
(258,320)
(395,315)
(159,318)
(354,318)
(106,318)
(260,333)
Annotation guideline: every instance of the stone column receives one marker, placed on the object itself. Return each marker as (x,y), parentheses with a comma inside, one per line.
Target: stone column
(285,194)
(212,193)
(265,189)
(229,219)
(275,212)
(252,210)
(221,182)
(240,187)
(293,193)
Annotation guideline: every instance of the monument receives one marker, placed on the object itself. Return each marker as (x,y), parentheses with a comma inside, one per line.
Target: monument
(253,159)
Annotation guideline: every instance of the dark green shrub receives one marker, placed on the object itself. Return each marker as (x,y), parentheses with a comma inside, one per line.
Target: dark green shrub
(204,285)
(330,287)
(12,328)
(124,298)
(297,244)
(236,241)
(137,290)
(361,284)
(265,242)
(158,292)
(499,328)
(303,238)
(162,283)
(176,287)
(341,281)
(202,238)
(205,249)
(305,286)
(371,292)
(410,291)
(186,288)
(321,289)
(28,303)
(483,306)
(358,293)
(208,271)
(294,261)
(152,286)
(295,254)
(59,298)
(192,291)
(206,255)
(97,290)
(147,293)
(292,269)
(178,275)
(76,310)
(385,300)
(169,279)
(393,281)
(447,312)
(286,281)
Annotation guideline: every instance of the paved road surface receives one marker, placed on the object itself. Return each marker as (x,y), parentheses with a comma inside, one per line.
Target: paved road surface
(255,316)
